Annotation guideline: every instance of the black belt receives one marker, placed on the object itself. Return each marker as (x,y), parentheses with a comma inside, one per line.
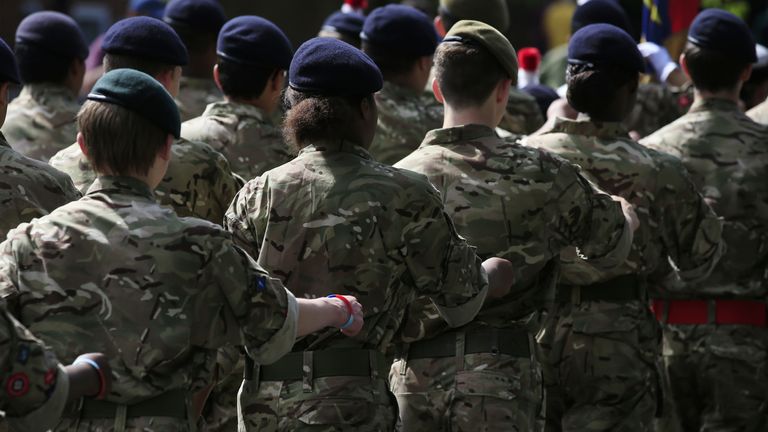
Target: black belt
(326,363)
(513,342)
(621,289)
(172,403)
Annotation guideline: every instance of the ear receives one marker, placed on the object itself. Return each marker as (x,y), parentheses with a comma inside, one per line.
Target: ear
(277,81)
(165,151)
(425,64)
(440,26)
(438,93)
(81,144)
(502,91)
(216,76)
(745,74)
(684,65)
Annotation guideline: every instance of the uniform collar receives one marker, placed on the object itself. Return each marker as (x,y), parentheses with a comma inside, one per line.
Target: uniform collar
(237,108)
(714,104)
(583,125)
(121,185)
(396,91)
(197,83)
(458,134)
(47,91)
(335,147)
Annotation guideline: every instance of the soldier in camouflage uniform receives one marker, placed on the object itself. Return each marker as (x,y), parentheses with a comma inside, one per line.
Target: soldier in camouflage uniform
(51,52)
(335,220)
(603,342)
(496,384)
(254,55)
(199,181)
(28,188)
(401,40)
(715,337)
(197,22)
(161,293)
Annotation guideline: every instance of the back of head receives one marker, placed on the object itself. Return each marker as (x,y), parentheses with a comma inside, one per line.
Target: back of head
(396,36)
(145,44)
(46,45)
(472,60)
(492,12)
(197,22)
(600,12)
(345,26)
(720,48)
(251,49)
(327,81)
(602,60)
(126,121)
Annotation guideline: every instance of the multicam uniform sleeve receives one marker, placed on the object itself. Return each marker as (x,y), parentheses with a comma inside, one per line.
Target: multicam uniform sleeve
(247,208)
(443,266)
(34,387)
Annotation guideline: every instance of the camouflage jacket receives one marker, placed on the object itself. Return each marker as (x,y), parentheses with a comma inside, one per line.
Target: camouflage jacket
(199,181)
(42,120)
(726,155)
(194,95)
(161,293)
(657,106)
(520,204)
(675,222)
(405,117)
(247,137)
(29,189)
(333,220)
(34,386)
(523,113)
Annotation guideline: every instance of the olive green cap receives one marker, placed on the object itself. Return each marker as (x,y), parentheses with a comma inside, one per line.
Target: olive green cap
(491,12)
(476,32)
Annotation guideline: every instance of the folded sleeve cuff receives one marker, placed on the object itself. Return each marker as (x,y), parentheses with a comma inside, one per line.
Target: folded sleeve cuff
(282,341)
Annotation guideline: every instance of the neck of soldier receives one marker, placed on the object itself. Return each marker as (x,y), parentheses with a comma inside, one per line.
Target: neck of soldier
(484,115)
(263,102)
(729,94)
(412,81)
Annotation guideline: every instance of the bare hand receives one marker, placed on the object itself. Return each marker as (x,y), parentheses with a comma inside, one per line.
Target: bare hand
(87,380)
(500,276)
(357,315)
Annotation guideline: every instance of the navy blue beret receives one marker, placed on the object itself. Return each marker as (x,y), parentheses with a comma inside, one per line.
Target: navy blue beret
(605,44)
(145,37)
(597,12)
(718,30)
(256,41)
(331,67)
(543,94)
(53,32)
(400,29)
(140,93)
(151,8)
(9,70)
(207,15)
(350,24)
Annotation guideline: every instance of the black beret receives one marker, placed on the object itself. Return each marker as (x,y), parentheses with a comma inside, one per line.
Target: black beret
(605,44)
(331,67)
(145,37)
(55,33)
(207,15)
(152,8)
(254,40)
(349,24)
(400,29)
(140,93)
(9,70)
(599,12)
(721,31)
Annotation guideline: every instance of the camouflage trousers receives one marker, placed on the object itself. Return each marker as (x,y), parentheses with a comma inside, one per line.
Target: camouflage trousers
(488,392)
(719,376)
(602,371)
(329,404)
(220,413)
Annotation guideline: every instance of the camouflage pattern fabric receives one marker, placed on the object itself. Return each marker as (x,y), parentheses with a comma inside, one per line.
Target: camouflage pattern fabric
(333,220)
(199,181)
(523,115)
(603,353)
(161,294)
(553,66)
(481,179)
(195,94)
(726,156)
(35,387)
(29,189)
(656,106)
(244,134)
(405,116)
(42,120)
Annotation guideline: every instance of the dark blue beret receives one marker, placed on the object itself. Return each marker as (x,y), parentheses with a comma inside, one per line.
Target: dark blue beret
(543,94)
(151,8)
(605,44)
(400,29)
(207,15)
(721,31)
(254,40)
(599,12)
(140,93)
(331,67)
(54,32)
(9,70)
(145,37)
(350,24)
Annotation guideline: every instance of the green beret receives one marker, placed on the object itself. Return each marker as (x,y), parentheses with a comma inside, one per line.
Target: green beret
(491,12)
(140,93)
(478,33)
